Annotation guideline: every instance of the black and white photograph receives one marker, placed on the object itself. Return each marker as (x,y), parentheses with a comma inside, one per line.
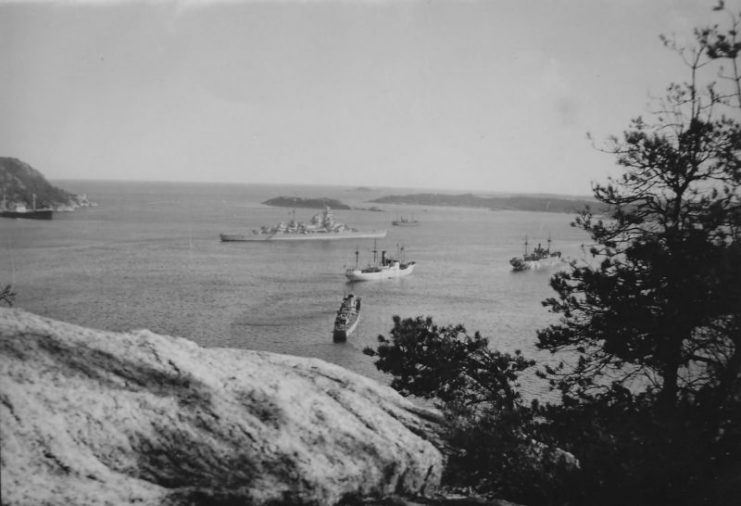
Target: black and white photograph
(370,252)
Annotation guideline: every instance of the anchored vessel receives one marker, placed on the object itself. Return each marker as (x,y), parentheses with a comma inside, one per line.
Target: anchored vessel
(540,257)
(347,318)
(389,267)
(405,222)
(20,211)
(321,227)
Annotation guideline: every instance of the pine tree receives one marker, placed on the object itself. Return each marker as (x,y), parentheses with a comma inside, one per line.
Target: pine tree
(659,307)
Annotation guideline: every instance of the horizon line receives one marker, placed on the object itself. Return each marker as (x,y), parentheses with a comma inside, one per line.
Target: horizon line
(422,189)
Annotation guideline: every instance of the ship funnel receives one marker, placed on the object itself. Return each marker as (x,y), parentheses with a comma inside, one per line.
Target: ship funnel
(383,257)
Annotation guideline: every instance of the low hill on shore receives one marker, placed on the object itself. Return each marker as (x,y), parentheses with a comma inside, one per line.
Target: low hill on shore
(19,183)
(540,203)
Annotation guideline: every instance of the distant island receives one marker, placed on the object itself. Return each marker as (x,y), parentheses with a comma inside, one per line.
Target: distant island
(540,203)
(318,203)
(22,186)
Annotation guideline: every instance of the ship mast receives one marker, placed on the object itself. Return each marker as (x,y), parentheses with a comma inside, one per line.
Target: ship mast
(525,245)
(375,253)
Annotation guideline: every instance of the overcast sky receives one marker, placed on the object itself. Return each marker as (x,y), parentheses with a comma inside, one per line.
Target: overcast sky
(493,95)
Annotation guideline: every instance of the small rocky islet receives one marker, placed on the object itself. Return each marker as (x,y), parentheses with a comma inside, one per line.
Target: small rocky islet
(308,203)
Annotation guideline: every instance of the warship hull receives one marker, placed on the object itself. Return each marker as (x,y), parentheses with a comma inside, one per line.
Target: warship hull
(40,214)
(519,265)
(315,236)
(339,335)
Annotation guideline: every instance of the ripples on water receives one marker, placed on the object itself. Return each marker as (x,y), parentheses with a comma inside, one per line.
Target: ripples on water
(149,257)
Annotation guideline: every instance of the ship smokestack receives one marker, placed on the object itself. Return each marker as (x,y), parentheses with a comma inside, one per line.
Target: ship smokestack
(383,257)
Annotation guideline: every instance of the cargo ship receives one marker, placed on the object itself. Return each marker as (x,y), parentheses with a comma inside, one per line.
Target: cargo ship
(538,258)
(321,227)
(388,268)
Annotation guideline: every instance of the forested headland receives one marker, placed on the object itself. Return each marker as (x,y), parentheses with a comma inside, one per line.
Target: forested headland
(22,184)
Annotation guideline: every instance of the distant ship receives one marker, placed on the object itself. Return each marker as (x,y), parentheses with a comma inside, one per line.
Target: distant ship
(321,227)
(388,268)
(20,211)
(347,318)
(404,222)
(540,257)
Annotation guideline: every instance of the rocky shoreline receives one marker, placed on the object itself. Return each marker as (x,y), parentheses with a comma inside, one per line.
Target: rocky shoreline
(94,417)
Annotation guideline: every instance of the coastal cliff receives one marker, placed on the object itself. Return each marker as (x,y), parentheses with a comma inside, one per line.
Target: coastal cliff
(20,183)
(92,417)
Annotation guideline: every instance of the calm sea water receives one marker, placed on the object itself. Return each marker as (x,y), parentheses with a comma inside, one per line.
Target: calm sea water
(149,256)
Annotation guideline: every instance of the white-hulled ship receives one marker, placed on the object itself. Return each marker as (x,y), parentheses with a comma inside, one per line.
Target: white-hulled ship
(388,268)
(347,318)
(539,258)
(321,227)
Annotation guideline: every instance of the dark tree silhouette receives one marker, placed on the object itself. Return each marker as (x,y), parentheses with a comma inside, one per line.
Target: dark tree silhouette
(650,327)
(448,364)
(7,295)
(660,305)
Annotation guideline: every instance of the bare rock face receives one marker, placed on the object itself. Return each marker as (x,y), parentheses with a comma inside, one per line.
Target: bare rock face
(92,417)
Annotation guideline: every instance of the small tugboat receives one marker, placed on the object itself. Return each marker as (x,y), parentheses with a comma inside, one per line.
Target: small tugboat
(540,257)
(405,222)
(388,268)
(347,318)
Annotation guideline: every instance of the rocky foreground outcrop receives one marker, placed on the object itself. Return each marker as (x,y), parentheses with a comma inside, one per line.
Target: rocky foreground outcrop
(93,417)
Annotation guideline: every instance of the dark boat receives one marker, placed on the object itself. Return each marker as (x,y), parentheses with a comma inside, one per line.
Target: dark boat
(540,257)
(405,222)
(20,211)
(39,214)
(347,318)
